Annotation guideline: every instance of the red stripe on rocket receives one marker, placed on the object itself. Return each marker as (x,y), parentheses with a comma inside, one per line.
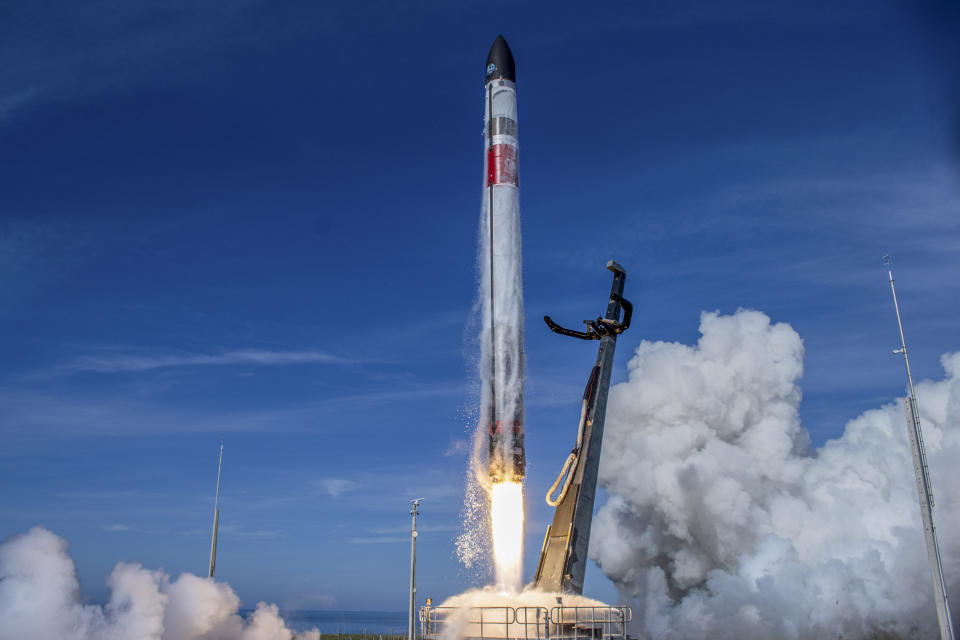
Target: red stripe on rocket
(502,165)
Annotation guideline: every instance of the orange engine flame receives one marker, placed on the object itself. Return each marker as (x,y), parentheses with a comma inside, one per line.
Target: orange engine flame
(506,514)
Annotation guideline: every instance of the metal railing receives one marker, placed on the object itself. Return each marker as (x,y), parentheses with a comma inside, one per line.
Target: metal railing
(526,623)
(600,623)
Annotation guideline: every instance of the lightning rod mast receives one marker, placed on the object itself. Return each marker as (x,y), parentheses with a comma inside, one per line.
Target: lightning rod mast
(924,485)
(411,629)
(216,518)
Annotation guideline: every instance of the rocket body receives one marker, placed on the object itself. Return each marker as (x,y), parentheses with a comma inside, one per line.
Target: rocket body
(502,358)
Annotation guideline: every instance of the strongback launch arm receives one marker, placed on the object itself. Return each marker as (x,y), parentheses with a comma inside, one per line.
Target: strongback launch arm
(563,558)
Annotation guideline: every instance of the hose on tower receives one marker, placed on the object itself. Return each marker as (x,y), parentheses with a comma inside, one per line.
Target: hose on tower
(567,472)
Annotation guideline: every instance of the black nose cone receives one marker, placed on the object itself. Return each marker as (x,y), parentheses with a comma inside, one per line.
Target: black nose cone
(500,62)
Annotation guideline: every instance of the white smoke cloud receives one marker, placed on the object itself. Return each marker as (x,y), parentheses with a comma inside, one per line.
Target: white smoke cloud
(722,524)
(40,597)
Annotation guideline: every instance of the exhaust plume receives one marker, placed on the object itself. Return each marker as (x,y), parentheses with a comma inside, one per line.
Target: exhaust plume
(721,522)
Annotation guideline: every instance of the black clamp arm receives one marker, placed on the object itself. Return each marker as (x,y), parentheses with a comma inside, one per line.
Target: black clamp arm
(583,335)
(627,311)
(600,327)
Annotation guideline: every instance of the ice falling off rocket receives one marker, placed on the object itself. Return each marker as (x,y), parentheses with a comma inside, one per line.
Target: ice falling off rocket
(502,357)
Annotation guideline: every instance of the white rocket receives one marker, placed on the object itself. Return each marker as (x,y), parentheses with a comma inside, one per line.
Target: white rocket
(502,343)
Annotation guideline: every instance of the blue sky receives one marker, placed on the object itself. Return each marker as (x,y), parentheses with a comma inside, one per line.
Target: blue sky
(258,223)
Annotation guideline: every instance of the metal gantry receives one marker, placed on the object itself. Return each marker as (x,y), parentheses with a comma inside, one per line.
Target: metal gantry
(924,485)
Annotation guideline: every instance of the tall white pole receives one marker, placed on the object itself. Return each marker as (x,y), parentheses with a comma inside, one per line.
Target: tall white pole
(411,629)
(216,518)
(924,485)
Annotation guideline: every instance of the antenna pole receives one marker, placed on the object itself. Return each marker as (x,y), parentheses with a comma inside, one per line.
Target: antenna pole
(216,518)
(924,485)
(411,630)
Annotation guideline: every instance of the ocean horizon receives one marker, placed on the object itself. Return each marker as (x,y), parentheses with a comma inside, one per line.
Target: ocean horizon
(332,621)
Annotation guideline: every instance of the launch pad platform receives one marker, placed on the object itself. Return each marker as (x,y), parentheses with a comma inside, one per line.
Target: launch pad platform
(526,623)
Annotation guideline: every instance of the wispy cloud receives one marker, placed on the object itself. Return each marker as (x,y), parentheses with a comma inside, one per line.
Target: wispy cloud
(459,447)
(37,252)
(379,540)
(243,532)
(98,495)
(30,413)
(149,37)
(386,531)
(392,535)
(335,487)
(131,43)
(10,103)
(119,362)
(392,489)
(116,527)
